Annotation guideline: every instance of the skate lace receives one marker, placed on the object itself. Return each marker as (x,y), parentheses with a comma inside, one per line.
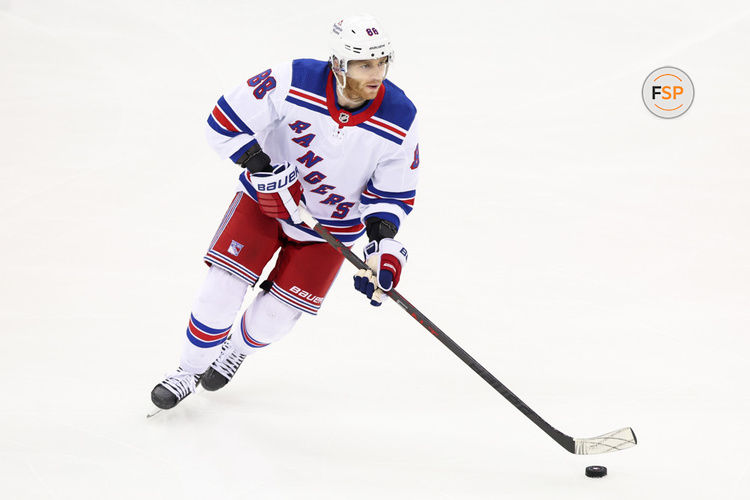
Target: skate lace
(180,383)
(229,361)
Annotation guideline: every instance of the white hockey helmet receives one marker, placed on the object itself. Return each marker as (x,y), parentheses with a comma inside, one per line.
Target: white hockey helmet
(358,37)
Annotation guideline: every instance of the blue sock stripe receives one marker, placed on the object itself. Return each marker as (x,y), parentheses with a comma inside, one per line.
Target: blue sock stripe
(207,329)
(247,338)
(199,343)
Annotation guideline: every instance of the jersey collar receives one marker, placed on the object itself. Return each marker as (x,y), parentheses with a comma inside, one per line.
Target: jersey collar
(346,118)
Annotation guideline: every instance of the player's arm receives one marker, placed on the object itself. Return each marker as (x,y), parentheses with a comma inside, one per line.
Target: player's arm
(390,191)
(240,115)
(232,128)
(385,203)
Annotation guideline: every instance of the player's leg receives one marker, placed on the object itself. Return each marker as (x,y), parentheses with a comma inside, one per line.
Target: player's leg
(211,317)
(268,319)
(217,303)
(244,243)
(299,283)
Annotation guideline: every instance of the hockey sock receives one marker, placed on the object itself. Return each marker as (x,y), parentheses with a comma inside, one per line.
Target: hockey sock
(214,309)
(265,321)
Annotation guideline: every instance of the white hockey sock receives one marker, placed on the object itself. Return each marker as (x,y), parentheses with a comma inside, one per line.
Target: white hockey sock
(214,309)
(265,321)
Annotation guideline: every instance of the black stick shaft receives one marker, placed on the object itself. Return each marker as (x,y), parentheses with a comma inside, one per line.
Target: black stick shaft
(564,440)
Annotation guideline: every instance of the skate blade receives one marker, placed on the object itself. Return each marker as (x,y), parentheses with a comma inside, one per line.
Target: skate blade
(155,410)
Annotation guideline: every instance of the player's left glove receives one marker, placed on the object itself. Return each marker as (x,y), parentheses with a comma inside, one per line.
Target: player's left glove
(386,259)
(279,192)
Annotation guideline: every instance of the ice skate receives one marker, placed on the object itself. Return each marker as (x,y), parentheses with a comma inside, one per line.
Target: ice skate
(223,369)
(175,387)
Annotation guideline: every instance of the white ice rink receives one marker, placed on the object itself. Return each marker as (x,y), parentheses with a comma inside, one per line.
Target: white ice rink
(593,257)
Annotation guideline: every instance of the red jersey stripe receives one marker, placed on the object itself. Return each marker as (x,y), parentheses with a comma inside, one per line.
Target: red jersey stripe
(219,116)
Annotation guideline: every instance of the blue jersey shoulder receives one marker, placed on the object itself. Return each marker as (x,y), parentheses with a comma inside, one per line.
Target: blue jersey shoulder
(396,107)
(310,75)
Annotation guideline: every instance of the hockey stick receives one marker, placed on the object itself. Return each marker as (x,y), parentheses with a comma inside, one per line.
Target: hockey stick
(611,441)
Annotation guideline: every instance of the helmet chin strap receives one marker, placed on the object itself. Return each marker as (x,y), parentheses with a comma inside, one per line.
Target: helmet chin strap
(341,67)
(340,85)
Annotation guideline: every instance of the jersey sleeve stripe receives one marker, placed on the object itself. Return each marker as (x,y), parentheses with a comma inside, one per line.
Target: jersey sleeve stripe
(388,194)
(374,198)
(403,205)
(229,112)
(219,129)
(219,116)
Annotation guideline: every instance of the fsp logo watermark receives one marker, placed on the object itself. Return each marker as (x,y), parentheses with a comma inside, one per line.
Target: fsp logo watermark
(668,92)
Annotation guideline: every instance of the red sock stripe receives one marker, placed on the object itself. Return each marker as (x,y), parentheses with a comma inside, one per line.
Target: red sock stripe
(205,336)
(248,339)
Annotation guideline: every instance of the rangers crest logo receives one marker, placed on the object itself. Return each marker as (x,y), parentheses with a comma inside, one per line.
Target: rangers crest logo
(235,248)
(344,117)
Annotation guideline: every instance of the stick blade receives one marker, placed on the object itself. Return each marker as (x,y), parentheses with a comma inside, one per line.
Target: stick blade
(612,441)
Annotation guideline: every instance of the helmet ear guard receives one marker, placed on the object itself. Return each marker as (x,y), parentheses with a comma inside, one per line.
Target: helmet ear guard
(339,68)
(337,64)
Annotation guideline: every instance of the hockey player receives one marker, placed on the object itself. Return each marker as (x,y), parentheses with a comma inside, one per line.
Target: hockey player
(334,135)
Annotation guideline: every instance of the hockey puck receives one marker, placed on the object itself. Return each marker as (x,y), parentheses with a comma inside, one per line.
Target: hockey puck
(596,471)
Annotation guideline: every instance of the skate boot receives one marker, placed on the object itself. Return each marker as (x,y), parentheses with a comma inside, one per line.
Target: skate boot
(223,369)
(175,387)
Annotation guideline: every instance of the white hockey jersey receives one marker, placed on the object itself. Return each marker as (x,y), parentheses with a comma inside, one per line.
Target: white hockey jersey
(352,165)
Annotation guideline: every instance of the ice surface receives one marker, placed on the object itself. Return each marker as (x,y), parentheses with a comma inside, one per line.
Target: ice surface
(592,256)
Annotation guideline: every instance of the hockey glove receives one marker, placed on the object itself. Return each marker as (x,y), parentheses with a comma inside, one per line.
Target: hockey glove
(279,192)
(385,258)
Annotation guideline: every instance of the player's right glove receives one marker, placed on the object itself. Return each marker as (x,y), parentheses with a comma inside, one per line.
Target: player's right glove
(279,192)
(385,258)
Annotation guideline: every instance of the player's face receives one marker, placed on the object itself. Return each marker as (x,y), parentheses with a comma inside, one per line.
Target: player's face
(364,78)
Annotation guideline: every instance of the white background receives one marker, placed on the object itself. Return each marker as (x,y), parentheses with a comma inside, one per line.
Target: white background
(592,256)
